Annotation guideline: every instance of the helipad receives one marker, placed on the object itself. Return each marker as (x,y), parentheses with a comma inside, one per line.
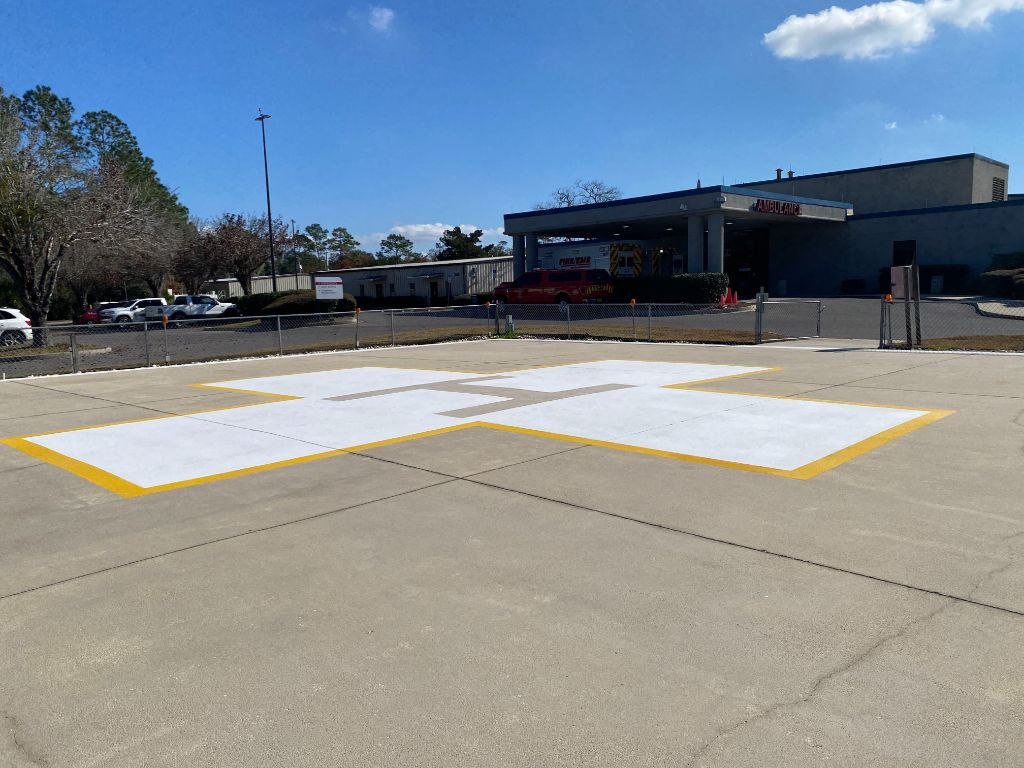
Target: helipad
(640,406)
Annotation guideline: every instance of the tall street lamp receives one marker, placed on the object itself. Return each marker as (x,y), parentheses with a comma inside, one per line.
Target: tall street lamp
(270,219)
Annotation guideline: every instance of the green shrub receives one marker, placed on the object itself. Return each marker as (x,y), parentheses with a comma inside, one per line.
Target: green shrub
(391,302)
(291,303)
(1007,261)
(701,287)
(255,303)
(464,299)
(692,288)
(997,282)
(1018,286)
(9,295)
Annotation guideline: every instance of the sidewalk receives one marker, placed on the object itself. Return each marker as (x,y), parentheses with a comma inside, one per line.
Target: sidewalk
(1007,308)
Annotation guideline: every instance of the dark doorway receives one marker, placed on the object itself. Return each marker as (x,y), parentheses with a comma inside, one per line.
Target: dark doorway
(904,252)
(746,259)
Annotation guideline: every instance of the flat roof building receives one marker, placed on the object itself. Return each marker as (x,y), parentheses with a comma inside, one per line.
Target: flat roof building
(824,233)
(433,282)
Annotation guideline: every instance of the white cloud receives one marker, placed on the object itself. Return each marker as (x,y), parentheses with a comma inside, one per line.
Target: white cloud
(425,236)
(381,19)
(936,119)
(879,29)
(891,126)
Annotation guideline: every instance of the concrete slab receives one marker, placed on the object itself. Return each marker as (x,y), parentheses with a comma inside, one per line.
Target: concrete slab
(494,598)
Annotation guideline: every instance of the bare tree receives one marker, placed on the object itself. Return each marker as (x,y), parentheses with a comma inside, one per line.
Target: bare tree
(55,194)
(86,271)
(239,245)
(150,258)
(580,192)
(195,260)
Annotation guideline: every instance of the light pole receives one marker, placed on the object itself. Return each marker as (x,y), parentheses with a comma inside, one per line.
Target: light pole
(270,219)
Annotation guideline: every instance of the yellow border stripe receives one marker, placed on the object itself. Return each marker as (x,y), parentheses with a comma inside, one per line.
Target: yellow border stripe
(88,472)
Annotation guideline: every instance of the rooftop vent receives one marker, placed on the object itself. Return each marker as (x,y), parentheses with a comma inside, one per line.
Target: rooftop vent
(791,173)
(778,174)
(998,189)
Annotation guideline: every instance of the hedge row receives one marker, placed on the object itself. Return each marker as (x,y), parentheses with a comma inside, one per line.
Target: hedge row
(291,303)
(1005,283)
(691,288)
(1004,278)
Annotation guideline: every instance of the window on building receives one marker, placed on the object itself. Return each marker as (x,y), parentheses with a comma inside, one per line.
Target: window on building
(998,189)
(904,252)
(378,290)
(362,289)
(391,288)
(412,288)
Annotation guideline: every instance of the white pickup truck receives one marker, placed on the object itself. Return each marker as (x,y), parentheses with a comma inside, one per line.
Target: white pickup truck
(191,307)
(129,312)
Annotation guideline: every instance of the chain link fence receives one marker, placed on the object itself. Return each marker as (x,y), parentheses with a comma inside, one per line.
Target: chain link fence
(943,324)
(747,322)
(69,348)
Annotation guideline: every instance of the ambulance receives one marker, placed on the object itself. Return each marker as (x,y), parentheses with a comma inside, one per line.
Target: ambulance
(618,257)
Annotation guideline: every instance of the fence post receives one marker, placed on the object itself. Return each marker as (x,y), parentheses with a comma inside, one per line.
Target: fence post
(817,332)
(280,337)
(497,325)
(632,310)
(909,322)
(74,353)
(392,327)
(915,281)
(145,331)
(881,324)
(568,328)
(357,327)
(650,338)
(167,353)
(759,318)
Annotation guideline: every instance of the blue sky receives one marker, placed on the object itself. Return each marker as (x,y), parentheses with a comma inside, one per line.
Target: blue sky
(399,116)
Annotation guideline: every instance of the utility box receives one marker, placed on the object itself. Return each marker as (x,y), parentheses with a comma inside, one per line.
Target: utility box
(899,282)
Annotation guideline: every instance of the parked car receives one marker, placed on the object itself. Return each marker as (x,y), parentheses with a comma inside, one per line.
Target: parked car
(91,314)
(128,311)
(187,307)
(15,328)
(88,316)
(556,286)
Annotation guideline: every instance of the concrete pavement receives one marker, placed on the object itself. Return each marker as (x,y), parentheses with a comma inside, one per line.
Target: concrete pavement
(503,599)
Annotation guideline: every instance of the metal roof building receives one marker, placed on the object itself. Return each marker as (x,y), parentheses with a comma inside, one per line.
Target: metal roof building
(435,281)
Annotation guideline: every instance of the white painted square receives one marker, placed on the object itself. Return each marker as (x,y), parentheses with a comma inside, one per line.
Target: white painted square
(776,433)
(172,450)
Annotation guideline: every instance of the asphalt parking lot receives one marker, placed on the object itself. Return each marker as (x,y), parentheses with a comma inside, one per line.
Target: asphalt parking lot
(512,596)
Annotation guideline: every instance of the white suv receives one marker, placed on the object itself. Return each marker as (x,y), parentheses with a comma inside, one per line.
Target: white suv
(15,328)
(129,312)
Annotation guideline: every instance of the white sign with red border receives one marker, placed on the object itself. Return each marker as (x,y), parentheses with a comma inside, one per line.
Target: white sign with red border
(328,287)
